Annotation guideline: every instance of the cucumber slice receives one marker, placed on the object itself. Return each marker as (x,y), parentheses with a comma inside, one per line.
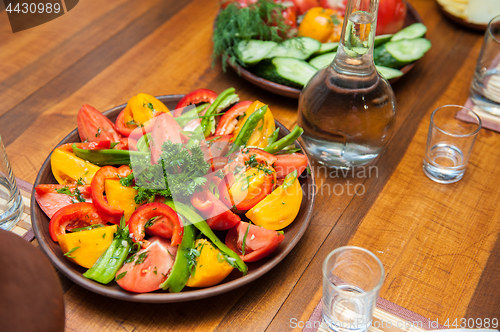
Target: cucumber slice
(382,39)
(413,31)
(383,58)
(299,48)
(322,61)
(388,73)
(407,50)
(327,48)
(287,71)
(253,51)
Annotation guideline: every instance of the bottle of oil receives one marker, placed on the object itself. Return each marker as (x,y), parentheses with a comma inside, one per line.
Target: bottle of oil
(347,109)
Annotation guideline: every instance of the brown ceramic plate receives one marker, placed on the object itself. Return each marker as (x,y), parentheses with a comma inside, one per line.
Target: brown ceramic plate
(40,222)
(286,91)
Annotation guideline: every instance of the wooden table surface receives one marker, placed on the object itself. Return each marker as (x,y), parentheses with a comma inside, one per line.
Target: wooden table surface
(439,244)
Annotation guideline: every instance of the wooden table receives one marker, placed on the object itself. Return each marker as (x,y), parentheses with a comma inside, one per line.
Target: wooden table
(440,244)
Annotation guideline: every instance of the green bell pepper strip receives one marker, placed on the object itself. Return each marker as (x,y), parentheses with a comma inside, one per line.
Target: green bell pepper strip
(111,260)
(247,129)
(212,109)
(107,156)
(285,141)
(273,137)
(203,227)
(180,273)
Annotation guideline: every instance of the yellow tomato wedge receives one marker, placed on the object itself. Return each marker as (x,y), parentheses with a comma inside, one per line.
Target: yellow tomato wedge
(121,196)
(69,169)
(247,184)
(211,266)
(279,208)
(142,108)
(85,247)
(264,129)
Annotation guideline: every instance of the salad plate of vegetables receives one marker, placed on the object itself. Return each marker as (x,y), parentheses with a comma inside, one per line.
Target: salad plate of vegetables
(279,45)
(173,198)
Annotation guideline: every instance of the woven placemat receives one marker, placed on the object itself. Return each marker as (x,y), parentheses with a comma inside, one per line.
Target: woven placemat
(23,227)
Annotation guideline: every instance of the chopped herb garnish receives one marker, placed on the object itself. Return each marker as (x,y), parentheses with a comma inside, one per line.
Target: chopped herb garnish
(98,134)
(72,250)
(121,275)
(243,245)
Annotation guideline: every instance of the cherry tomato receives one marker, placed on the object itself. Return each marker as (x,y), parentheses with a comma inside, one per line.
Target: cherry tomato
(218,216)
(287,163)
(229,120)
(391,16)
(196,97)
(50,201)
(111,213)
(259,242)
(148,268)
(93,126)
(74,216)
(166,223)
(304,5)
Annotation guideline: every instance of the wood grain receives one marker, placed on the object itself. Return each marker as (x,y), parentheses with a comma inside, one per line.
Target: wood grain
(439,243)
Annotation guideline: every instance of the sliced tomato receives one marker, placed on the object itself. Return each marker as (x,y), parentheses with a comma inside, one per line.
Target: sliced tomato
(219,145)
(218,163)
(391,16)
(126,143)
(250,156)
(111,213)
(74,216)
(229,120)
(259,241)
(50,201)
(196,97)
(218,216)
(165,128)
(93,126)
(304,5)
(287,163)
(165,223)
(148,268)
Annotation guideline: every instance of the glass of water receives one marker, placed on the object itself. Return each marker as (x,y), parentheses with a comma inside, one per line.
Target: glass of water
(352,277)
(485,87)
(11,203)
(450,142)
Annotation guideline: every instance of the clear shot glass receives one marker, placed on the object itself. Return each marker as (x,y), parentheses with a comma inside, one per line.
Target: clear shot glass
(11,203)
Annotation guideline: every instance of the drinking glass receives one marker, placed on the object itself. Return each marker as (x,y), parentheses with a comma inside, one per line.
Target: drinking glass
(485,87)
(352,277)
(449,143)
(11,203)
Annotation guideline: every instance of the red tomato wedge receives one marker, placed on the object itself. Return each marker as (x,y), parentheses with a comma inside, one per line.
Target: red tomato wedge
(148,268)
(219,145)
(165,128)
(166,223)
(304,5)
(94,127)
(391,16)
(74,216)
(196,97)
(218,216)
(50,201)
(287,163)
(259,241)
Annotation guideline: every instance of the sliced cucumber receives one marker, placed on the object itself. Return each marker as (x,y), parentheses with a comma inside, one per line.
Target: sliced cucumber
(406,50)
(322,61)
(327,48)
(287,71)
(388,73)
(382,39)
(253,51)
(413,31)
(299,48)
(383,58)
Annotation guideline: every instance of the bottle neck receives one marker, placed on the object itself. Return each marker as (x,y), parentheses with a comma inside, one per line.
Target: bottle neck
(355,51)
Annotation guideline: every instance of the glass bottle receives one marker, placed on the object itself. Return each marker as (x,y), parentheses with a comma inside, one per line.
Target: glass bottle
(347,109)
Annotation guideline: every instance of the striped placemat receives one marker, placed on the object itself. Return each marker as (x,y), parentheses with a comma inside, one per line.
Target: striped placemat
(23,227)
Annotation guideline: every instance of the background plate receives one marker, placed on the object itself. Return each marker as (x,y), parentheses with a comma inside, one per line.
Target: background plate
(40,223)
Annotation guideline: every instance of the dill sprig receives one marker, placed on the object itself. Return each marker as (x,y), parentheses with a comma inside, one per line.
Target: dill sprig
(261,20)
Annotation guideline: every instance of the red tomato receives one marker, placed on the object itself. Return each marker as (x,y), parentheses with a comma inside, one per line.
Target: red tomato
(148,268)
(93,126)
(50,201)
(111,213)
(218,216)
(243,158)
(219,145)
(338,5)
(229,120)
(391,16)
(290,16)
(241,3)
(126,143)
(259,242)
(218,163)
(304,5)
(196,97)
(74,216)
(166,224)
(165,128)
(287,163)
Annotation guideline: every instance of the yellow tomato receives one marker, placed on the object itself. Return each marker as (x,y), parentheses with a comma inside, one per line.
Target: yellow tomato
(211,266)
(279,208)
(247,185)
(85,247)
(317,24)
(264,128)
(142,108)
(69,169)
(120,196)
